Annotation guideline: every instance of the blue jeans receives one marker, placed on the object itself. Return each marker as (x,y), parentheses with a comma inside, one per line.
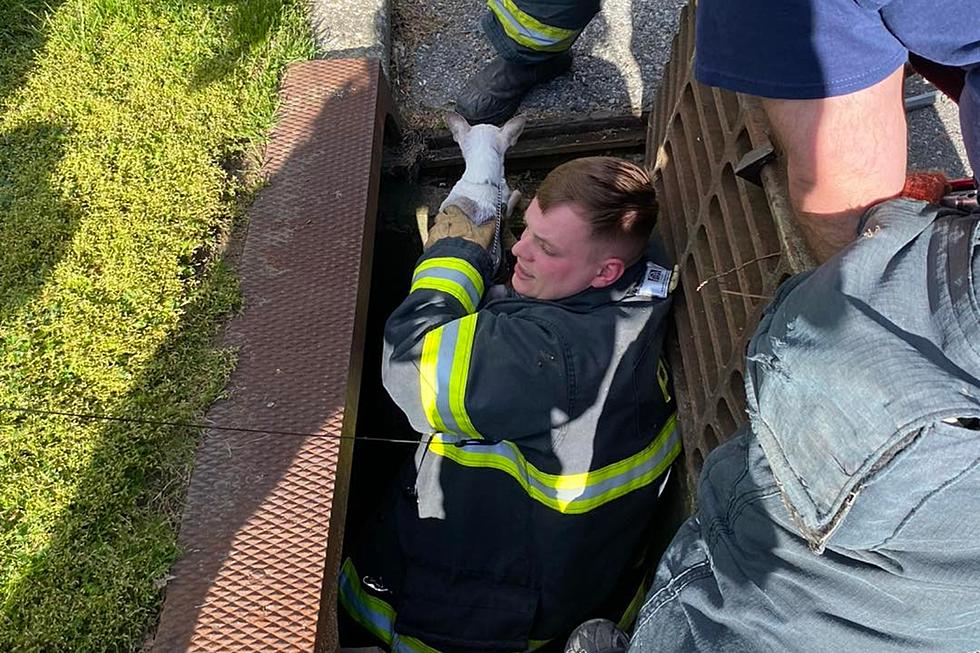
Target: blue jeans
(846,515)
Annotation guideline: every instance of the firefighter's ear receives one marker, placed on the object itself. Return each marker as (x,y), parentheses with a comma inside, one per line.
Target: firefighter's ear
(609,271)
(457,125)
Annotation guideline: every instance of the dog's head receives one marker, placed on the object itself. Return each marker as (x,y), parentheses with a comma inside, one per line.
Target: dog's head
(484,146)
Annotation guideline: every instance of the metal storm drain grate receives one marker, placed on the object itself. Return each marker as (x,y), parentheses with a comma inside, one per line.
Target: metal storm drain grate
(733,240)
(263,527)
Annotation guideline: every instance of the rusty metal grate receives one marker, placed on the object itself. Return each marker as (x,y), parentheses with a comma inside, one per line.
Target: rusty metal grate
(263,526)
(714,222)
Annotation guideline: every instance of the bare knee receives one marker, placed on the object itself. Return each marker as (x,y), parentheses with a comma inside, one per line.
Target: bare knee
(843,153)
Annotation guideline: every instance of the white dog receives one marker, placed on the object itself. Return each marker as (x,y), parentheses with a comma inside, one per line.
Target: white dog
(482,191)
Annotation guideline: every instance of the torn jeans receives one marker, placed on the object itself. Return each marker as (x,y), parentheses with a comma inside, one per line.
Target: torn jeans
(845,516)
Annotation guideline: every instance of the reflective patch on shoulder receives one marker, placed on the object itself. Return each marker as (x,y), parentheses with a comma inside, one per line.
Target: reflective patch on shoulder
(656,282)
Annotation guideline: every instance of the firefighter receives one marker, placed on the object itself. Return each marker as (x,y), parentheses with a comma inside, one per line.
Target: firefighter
(547,424)
(533,41)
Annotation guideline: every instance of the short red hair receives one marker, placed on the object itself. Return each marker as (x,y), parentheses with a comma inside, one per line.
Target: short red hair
(614,196)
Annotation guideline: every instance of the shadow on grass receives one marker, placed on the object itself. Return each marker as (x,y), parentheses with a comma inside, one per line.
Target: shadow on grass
(36,226)
(115,541)
(22,38)
(249,24)
(32,240)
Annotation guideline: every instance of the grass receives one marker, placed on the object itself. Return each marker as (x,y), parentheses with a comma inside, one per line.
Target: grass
(124,128)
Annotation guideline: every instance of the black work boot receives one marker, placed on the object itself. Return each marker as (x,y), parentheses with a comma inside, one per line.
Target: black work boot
(597,636)
(493,94)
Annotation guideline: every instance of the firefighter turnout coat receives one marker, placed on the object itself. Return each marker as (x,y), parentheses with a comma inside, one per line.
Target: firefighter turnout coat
(532,30)
(547,428)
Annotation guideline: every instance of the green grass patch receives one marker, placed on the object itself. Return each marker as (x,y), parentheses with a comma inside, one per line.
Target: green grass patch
(124,129)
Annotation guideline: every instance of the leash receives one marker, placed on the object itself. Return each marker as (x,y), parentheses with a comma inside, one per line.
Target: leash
(90,417)
(496,247)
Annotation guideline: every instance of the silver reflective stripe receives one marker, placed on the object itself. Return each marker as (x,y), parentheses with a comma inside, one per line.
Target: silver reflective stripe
(570,493)
(376,615)
(444,372)
(369,611)
(537,37)
(453,276)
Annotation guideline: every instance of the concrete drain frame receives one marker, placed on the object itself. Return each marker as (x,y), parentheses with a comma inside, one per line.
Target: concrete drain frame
(734,241)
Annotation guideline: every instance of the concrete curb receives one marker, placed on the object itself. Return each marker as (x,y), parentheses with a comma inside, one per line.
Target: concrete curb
(343,29)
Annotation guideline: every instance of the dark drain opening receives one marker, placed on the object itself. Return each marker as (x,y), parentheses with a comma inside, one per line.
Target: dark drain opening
(396,247)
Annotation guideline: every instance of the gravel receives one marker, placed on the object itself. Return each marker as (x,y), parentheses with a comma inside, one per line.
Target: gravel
(935,140)
(431,47)
(619,59)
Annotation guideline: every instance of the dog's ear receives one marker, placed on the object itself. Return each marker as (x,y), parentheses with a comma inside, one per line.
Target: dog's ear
(511,131)
(457,125)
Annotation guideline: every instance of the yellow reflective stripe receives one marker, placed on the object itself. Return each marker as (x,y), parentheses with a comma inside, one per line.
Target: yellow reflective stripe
(532,23)
(635,484)
(461,370)
(454,276)
(507,13)
(402,643)
(472,459)
(616,468)
(443,372)
(546,488)
(458,264)
(584,479)
(629,615)
(429,380)
(375,615)
(663,378)
(448,287)
(371,612)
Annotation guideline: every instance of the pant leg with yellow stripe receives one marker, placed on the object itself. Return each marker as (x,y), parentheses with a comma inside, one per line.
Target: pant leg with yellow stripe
(533,30)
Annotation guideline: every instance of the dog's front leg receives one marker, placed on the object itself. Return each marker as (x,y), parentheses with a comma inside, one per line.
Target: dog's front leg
(508,238)
(515,197)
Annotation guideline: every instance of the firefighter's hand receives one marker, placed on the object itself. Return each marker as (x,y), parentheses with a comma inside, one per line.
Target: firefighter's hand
(453,223)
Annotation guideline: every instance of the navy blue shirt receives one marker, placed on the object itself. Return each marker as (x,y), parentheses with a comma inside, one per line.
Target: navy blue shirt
(804,49)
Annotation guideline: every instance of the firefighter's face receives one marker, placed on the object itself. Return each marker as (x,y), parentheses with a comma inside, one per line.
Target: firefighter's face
(558,257)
